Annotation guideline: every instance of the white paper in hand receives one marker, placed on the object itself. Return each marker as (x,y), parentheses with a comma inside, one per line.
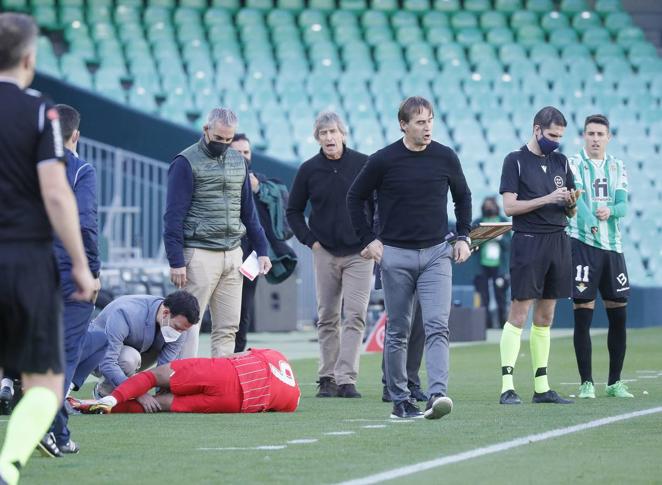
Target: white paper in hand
(250,268)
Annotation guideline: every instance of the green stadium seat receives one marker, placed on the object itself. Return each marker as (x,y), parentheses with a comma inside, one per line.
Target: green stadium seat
(540,6)
(629,35)
(480,51)
(291,5)
(563,37)
(523,18)
(608,51)
(551,69)
(98,14)
(70,14)
(342,18)
(595,37)
(353,5)
(573,6)
(641,53)
(469,36)
(278,17)
(408,35)
(434,19)
(449,52)
(418,6)
(45,17)
(604,7)
(586,20)
(500,36)
(231,5)
(439,35)
(652,71)
(218,16)
(126,14)
(477,5)
(575,51)
(530,35)
(308,18)
(194,4)
(447,5)
(322,5)
(15,5)
(489,70)
(554,20)
(492,19)
(404,19)
(349,33)
(143,100)
(168,4)
(508,6)
(512,53)
(263,5)
(464,20)
(374,18)
(154,14)
(376,35)
(617,21)
(615,69)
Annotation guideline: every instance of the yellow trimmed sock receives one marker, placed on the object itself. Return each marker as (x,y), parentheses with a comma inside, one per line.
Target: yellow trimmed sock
(28,423)
(509,347)
(540,341)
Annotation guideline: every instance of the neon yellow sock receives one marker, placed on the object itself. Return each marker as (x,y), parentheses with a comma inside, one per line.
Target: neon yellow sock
(539,341)
(28,423)
(509,346)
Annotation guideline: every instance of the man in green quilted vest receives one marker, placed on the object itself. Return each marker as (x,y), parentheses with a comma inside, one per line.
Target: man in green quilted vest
(209,208)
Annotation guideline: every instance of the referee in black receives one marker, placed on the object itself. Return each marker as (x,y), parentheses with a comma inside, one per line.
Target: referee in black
(35,198)
(538,192)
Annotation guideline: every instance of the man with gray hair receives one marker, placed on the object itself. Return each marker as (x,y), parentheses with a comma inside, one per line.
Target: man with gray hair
(343,278)
(412,178)
(209,208)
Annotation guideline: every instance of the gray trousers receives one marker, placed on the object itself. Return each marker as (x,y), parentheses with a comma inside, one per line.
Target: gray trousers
(131,362)
(427,272)
(415,348)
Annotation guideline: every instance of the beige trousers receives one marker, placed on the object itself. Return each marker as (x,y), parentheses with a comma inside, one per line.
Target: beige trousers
(343,286)
(213,277)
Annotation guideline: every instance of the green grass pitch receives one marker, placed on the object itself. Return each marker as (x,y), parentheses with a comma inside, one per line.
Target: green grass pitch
(331,440)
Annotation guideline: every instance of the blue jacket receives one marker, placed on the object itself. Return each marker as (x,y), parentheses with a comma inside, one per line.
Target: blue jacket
(83,181)
(131,320)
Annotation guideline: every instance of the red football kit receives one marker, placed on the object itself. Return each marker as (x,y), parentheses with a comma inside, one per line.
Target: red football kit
(258,381)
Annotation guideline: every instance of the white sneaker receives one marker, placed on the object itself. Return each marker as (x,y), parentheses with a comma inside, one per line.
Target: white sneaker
(438,407)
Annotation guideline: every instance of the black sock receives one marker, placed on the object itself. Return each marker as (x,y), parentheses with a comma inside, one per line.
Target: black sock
(582,341)
(616,342)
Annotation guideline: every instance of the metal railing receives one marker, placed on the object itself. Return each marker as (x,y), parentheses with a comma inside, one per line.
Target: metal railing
(131,196)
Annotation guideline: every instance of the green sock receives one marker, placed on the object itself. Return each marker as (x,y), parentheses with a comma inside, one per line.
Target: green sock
(510,342)
(28,423)
(539,356)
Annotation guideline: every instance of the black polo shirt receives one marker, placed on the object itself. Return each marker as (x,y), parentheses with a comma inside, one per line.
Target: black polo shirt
(29,135)
(531,176)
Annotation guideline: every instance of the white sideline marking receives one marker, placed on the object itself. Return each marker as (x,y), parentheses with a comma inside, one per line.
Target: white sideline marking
(496,448)
(361,420)
(648,377)
(374,426)
(252,448)
(303,441)
(339,433)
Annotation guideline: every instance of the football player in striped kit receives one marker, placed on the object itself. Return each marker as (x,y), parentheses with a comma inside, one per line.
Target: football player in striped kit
(258,380)
(597,253)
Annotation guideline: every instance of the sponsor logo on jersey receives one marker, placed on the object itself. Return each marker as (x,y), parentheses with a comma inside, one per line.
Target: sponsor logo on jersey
(284,373)
(544,168)
(558,181)
(622,279)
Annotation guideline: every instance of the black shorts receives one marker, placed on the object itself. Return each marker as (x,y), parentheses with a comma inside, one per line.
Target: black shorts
(540,266)
(30,309)
(598,269)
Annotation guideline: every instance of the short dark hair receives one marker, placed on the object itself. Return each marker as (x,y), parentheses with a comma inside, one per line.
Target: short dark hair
(549,116)
(413,105)
(598,119)
(183,303)
(239,137)
(69,120)
(17,32)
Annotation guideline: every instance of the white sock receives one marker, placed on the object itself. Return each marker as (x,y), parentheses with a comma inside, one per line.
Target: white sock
(109,400)
(6,382)
(71,388)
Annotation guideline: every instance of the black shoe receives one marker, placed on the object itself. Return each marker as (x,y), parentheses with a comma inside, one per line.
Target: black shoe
(69,448)
(510,397)
(549,397)
(386,396)
(405,410)
(438,406)
(6,398)
(48,447)
(327,387)
(348,390)
(417,394)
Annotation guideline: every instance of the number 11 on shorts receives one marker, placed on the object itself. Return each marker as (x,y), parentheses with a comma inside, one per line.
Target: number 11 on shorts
(582,269)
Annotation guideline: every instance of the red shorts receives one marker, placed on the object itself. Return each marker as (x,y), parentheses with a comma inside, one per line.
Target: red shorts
(205,386)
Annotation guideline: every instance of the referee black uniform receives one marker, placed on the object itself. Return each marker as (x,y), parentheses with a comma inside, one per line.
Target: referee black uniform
(30,316)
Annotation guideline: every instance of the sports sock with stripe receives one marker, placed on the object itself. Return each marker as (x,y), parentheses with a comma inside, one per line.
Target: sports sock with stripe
(539,342)
(29,421)
(509,347)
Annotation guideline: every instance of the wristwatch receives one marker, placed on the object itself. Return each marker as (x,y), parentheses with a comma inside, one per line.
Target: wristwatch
(466,239)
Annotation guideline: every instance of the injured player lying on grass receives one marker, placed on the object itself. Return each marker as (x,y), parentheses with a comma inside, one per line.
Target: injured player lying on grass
(255,381)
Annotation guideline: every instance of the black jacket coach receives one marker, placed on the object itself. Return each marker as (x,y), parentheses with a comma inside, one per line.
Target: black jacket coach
(325,184)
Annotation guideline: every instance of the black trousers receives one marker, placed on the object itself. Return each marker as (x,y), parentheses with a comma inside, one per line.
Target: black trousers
(247,314)
(482,282)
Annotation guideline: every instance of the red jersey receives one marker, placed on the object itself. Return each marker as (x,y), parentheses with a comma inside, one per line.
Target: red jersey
(267,382)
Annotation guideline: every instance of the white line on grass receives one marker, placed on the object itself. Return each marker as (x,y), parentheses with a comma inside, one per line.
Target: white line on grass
(252,448)
(496,448)
(648,377)
(303,441)
(374,426)
(339,433)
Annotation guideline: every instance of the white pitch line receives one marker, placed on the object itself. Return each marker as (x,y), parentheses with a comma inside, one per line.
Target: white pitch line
(496,448)
(303,441)
(648,377)
(339,433)
(374,426)
(252,448)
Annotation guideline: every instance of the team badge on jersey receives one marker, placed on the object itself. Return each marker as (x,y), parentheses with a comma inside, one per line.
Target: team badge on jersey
(558,181)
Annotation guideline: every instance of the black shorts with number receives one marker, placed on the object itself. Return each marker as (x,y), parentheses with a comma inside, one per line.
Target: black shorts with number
(30,308)
(540,266)
(598,269)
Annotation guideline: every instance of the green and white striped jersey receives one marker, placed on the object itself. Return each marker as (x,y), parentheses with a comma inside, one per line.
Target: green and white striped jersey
(599,182)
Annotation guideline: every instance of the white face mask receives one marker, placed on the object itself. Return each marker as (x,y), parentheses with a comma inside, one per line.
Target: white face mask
(169,333)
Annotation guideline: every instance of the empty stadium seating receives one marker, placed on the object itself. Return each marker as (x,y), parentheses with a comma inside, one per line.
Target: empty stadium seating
(488,65)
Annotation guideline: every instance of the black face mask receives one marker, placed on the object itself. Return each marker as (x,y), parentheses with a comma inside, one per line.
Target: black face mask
(216,148)
(490,212)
